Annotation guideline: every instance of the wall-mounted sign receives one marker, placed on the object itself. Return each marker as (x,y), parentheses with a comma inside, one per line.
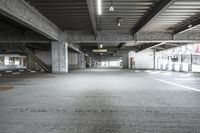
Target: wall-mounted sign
(99,50)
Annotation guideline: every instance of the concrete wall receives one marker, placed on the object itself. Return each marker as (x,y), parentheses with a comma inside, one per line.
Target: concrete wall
(125,60)
(73,60)
(185,58)
(196,68)
(82,63)
(45,56)
(76,60)
(142,60)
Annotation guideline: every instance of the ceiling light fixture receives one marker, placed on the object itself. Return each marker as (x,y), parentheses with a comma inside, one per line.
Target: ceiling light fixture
(190,26)
(99,50)
(101,45)
(119,21)
(99,6)
(111,9)
(119,24)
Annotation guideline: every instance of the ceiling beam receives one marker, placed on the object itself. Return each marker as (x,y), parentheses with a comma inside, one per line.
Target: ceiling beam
(160,44)
(121,45)
(187,26)
(20,37)
(106,36)
(175,45)
(74,47)
(22,13)
(159,48)
(152,15)
(154,46)
(90,4)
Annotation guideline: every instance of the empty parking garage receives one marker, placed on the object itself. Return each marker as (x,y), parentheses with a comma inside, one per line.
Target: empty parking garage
(99,66)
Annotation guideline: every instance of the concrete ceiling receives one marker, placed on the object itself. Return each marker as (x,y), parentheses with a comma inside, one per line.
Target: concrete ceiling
(66,14)
(175,15)
(74,14)
(159,46)
(137,15)
(130,11)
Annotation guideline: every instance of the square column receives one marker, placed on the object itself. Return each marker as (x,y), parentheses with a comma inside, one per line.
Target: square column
(125,60)
(59,56)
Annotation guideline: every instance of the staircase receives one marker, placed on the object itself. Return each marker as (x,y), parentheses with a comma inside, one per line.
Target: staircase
(35,58)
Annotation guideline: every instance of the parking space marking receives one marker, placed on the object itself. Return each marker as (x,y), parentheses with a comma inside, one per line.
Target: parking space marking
(175,84)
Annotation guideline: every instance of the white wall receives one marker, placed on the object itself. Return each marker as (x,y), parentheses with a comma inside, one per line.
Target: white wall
(15,65)
(185,54)
(195,68)
(143,59)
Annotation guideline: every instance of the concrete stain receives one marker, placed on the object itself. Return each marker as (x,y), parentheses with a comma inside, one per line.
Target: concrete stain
(5,87)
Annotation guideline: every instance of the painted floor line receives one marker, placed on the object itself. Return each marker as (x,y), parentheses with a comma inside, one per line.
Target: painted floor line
(175,84)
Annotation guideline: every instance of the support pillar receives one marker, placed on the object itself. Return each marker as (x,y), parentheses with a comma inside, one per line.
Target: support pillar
(59,56)
(154,59)
(125,60)
(90,62)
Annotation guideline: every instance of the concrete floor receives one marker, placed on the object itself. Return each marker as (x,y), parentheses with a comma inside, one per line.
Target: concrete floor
(100,101)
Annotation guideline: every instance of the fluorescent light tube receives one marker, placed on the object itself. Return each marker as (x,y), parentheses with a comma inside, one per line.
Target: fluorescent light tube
(99,4)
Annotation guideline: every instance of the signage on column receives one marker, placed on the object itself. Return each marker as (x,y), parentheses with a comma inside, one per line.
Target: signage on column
(197,50)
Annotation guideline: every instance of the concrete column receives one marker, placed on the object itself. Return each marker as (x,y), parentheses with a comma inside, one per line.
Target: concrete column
(154,59)
(59,56)
(81,61)
(125,60)
(90,62)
